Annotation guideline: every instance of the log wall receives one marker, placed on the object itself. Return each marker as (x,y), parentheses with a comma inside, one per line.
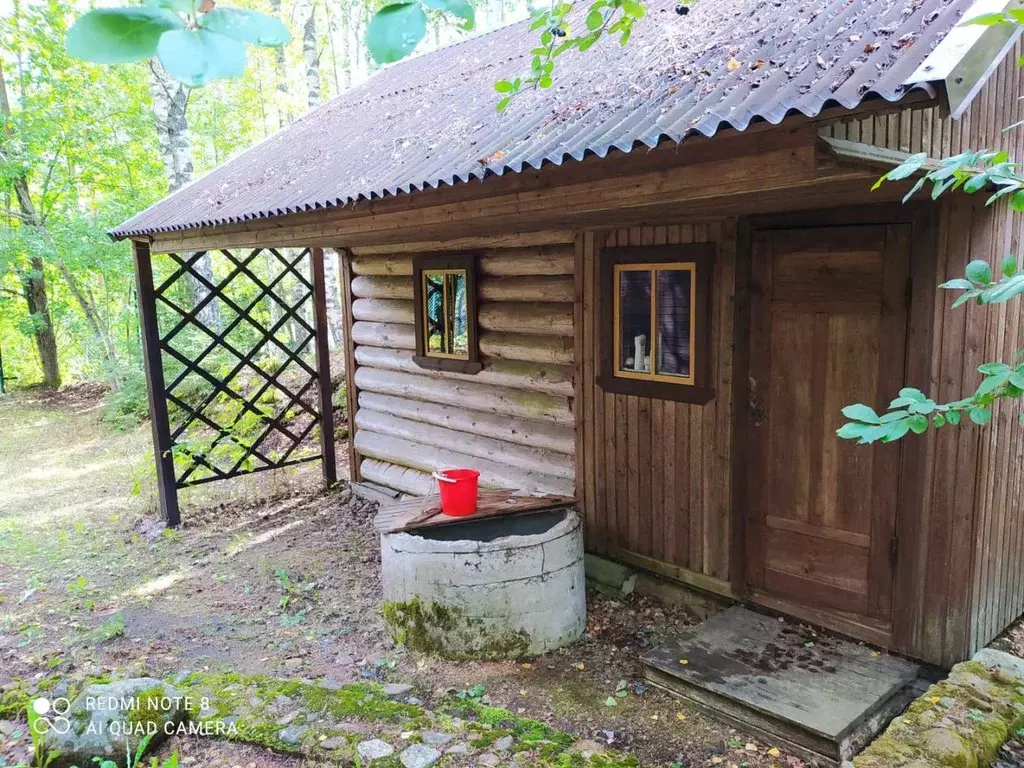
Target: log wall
(513,421)
(656,475)
(961,556)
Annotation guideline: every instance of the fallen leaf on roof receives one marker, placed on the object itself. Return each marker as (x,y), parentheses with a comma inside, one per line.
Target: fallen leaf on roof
(733,65)
(870,47)
(757,64)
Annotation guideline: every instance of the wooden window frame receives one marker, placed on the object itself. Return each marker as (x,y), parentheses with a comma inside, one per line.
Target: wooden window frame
(437,361)
(700,259)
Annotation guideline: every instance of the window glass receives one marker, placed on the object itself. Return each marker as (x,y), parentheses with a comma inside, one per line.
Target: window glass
(674,295)
(446,314)
(635,320)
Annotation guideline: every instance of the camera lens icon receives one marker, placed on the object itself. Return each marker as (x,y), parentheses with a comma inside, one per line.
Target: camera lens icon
(51,715)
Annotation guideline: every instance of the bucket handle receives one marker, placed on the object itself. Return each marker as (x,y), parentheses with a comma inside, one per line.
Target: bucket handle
(438,476)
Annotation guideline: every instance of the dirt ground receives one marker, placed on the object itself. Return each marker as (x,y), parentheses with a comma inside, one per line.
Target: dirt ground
(271,575)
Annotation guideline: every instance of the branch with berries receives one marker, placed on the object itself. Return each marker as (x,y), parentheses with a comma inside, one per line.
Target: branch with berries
(612,17)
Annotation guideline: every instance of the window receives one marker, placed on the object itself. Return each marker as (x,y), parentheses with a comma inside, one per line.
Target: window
(444,290)
(656,332)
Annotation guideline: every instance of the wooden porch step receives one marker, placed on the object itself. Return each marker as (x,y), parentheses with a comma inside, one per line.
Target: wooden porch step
(823,698)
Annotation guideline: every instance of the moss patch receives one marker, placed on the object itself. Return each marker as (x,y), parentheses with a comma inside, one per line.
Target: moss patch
(960,722)
(446,631)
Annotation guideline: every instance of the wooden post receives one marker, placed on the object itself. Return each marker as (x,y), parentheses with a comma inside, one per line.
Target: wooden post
(165,482)
(323,366)
(345,261)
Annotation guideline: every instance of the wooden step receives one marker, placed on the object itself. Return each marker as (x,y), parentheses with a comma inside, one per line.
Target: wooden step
(817,695)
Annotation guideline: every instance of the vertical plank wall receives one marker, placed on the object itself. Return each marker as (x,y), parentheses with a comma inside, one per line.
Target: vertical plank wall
(655,475)
(964,549)
(513,421)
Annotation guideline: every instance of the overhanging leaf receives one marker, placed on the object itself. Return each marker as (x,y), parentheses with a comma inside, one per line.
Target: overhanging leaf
(395,31)
(861,412)
(463,10)
(117,35)
(197,57)
(247,26)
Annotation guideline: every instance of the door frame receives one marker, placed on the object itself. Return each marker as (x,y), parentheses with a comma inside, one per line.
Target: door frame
(914,472)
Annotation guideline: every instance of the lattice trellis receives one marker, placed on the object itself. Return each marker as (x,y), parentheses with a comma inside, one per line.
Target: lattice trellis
(237,364)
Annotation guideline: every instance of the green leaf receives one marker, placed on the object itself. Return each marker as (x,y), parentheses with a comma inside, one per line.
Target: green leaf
(395,31)
(504,86)
(1017,379)
(464,10)
(503,104)
(116,35)
(248,26)
(953,417)
(197,57)
(914,394)
(993,369)
(611,702)
(981,416)
(594,19)
(861,412)
(1017,200)
(907,168)
(939,419)
(1009,265)
(918,423)
(633,8)
(893,416)
(979,272)
(957,283)
(851,430)
(986,20)
(895,430)
(187,7)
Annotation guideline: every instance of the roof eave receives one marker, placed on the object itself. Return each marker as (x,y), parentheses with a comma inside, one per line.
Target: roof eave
(964,60)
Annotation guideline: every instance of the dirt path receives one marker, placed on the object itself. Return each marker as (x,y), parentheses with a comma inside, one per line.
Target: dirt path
(270,576)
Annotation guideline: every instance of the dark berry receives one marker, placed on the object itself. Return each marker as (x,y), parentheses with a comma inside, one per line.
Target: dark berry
(682,10)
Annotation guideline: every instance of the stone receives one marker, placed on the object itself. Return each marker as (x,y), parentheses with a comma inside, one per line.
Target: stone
(504,744)
(375,749)
(330,684)
(927,717)
(419,756)
(286,720)
(353,727)
(947,702)
(344,660)
(462,748)
(1008,668)
(588,748)
(99,731)
(293,734)
(335,742)
(394,690)
(982,688)
(489,760)
(435,738)
(949,748)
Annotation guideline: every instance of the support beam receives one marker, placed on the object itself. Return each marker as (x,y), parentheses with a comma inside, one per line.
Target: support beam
(323,366)
(167,491)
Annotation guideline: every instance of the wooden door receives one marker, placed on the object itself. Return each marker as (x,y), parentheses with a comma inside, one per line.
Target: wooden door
(828,328)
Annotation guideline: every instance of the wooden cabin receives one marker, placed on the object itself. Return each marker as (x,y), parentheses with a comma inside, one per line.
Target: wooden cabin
(655,285)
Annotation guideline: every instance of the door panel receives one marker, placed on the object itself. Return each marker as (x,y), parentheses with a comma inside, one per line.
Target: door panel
(828,328)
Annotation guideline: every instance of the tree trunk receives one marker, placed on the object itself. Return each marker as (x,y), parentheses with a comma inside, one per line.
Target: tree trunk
(170,102)
(311,54)
(34,287)
(284,115)
(87,303)
(33,281)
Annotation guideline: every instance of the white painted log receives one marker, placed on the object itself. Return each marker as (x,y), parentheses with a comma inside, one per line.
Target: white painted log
(520,317)
(383,310)
(392,266)
(535,377)
(393,335)
(533,348)
(514,262)
(400,478)
(430,458)
(536,434)
(478,397)
(498,451)
(372,287)
(557,288)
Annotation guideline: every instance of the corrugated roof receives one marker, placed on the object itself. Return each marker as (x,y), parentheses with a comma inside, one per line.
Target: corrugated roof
(431,121)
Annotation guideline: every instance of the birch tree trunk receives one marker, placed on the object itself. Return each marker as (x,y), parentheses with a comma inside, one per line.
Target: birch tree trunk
(170,102)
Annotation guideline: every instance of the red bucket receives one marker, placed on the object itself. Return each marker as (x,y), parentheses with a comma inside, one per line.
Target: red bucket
(458,489)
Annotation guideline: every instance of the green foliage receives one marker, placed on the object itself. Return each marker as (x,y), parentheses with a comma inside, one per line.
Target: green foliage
(127,407)
(398,28)
(196,43)
(913,411)
(611,17)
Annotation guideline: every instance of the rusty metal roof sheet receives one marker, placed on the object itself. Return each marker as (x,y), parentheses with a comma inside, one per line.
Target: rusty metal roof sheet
(431,121)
